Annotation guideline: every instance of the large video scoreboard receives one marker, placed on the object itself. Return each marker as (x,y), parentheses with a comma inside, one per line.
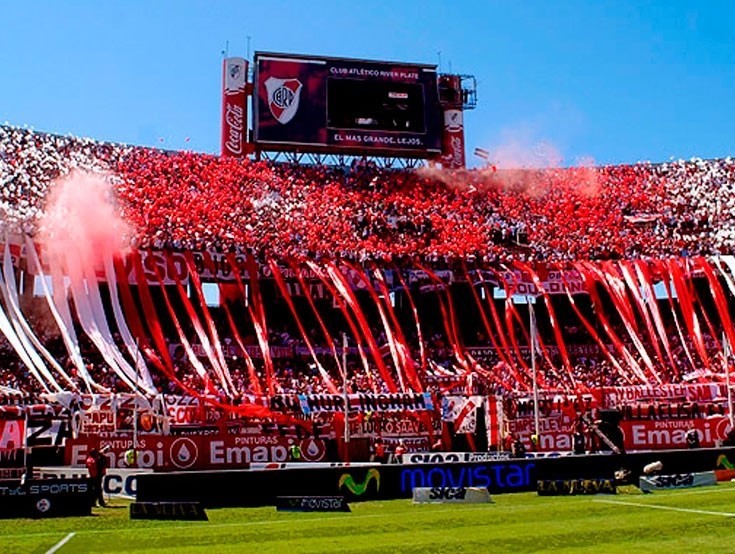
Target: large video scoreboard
(338,105)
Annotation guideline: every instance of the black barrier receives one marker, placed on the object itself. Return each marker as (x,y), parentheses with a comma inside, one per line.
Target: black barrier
(248,488)
(46,498)
(188,511)
(573,487)
(312,504)
(261,488)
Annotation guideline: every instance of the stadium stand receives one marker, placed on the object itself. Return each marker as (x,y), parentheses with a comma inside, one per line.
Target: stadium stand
(397,219)
(195,201)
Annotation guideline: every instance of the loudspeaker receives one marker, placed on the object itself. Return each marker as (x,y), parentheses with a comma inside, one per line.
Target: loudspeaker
(610,426)
(610,417)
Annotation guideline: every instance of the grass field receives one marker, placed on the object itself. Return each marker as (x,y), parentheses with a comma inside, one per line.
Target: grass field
(695,520)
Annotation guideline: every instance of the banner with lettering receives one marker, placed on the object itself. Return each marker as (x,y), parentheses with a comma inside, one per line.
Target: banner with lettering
(704,392)
(217,451)
(12,434)
(212,265)
(552,281)
(397,402)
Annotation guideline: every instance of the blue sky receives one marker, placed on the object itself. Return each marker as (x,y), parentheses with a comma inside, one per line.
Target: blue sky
(612,81)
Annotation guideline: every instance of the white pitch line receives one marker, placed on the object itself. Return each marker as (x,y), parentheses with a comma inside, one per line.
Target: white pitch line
(669,508)
(706,490)
(205,526)
(59,544)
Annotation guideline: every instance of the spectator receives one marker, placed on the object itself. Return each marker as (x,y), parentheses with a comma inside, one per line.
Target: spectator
(519,449)
(692,438)
(193,201)
(400,450)
(379,454)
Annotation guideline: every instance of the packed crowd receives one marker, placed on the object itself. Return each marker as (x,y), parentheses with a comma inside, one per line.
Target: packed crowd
(192,201)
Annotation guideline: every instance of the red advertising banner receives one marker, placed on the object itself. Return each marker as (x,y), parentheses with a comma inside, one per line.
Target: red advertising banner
(174,453)
(658,435)
(556,433)
(234,110)
(453,155)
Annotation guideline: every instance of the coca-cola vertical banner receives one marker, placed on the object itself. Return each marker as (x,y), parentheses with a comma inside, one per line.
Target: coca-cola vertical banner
(453,139)
(234,112)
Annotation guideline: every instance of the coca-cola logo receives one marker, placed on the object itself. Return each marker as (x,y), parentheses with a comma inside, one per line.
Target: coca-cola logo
(457,152)
(454,157)
(183,453)
(234,116)
(235,123)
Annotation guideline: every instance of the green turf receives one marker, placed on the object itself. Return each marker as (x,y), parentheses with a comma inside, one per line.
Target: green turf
(512,523)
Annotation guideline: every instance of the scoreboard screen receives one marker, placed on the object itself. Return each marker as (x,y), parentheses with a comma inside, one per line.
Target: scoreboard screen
(339,105)
(355,104)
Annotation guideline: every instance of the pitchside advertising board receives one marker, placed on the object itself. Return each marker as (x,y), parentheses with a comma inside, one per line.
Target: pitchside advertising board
(117,482)
(51,498)
(172,453)
(650,483)
(322,104)
(592,473)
